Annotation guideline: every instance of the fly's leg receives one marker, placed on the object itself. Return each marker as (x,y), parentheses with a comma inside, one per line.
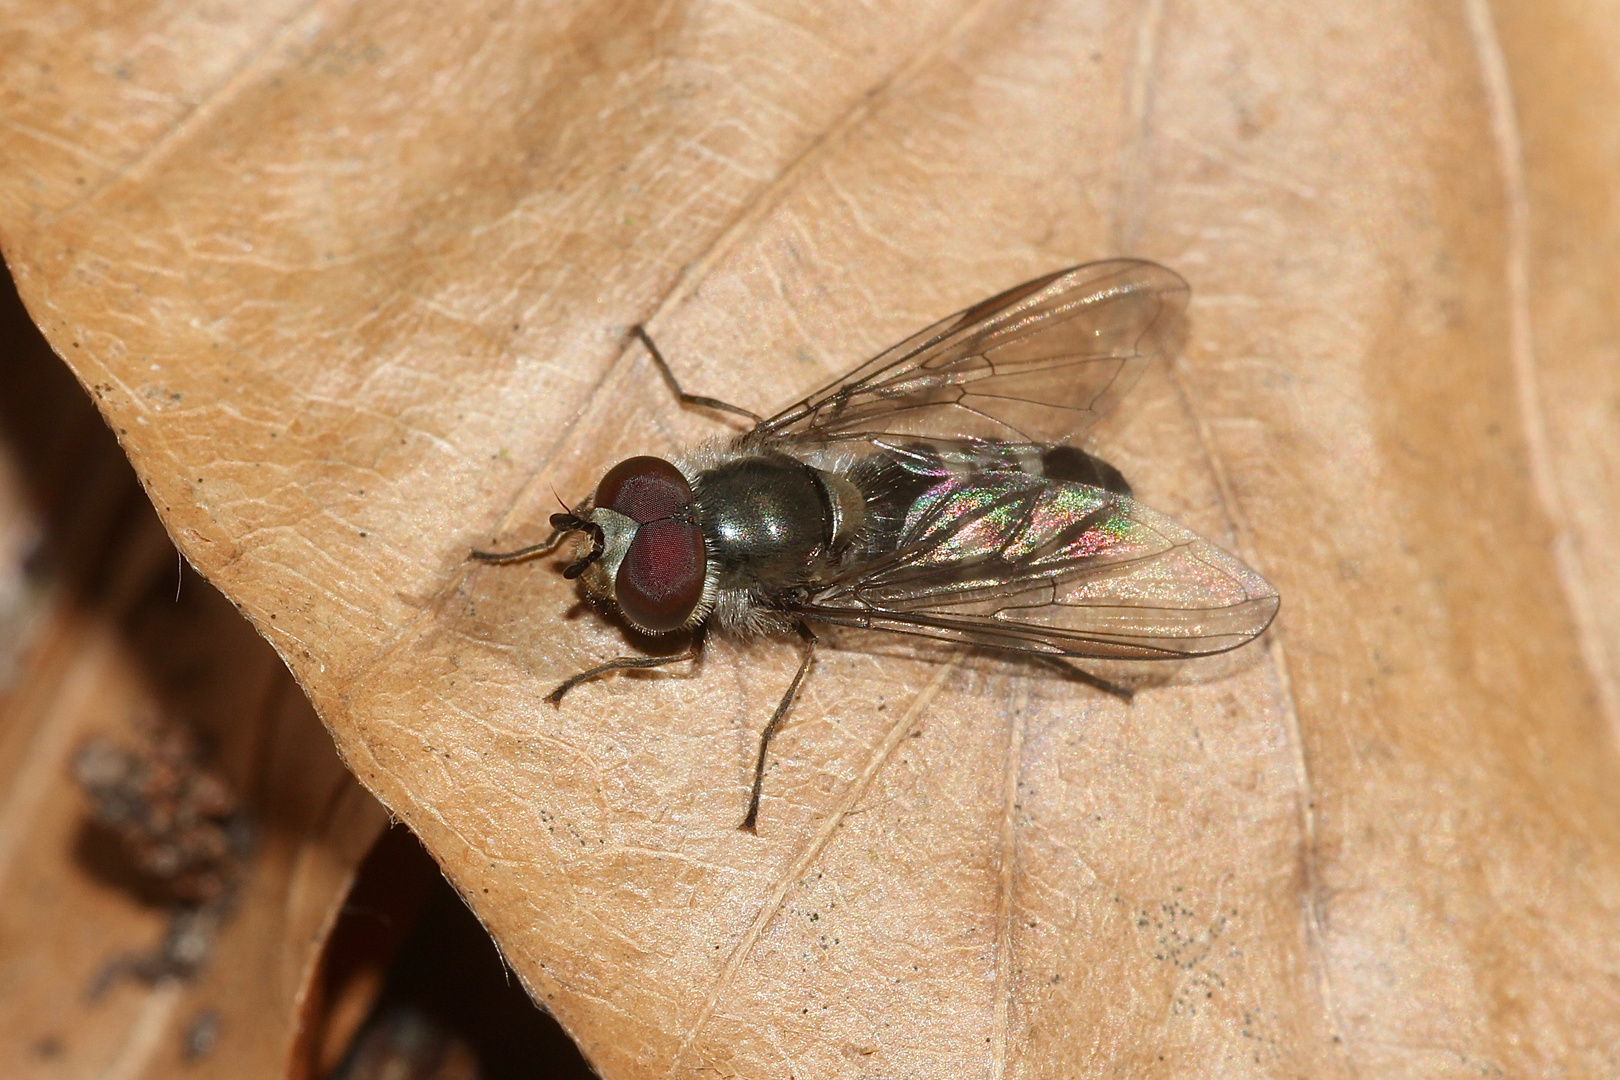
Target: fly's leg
(640,334)
(751,819)
(501,558)
(623,663)
(1096,682)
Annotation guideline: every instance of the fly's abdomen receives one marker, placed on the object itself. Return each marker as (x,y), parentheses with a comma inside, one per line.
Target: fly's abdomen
(1072,464)
(892,480)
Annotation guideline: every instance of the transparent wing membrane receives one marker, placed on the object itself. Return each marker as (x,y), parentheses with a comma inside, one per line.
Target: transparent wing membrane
(1040,363)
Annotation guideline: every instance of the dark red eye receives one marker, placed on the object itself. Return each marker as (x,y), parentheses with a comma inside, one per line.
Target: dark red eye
(644,489)
(660,580)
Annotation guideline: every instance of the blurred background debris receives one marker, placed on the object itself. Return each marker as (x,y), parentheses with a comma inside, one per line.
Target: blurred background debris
(177,828)
(178,820)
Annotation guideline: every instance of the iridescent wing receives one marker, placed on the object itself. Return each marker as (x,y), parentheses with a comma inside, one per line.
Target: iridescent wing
(1039,363)
(1020,562)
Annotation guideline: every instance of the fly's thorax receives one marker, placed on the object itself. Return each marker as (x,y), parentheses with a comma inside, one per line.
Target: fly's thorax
(767,518)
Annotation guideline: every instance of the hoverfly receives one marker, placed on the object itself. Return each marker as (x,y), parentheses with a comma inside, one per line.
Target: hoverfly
(934,490)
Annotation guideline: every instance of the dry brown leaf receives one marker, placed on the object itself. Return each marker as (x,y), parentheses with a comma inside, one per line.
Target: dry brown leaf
(93,638)
(352,283)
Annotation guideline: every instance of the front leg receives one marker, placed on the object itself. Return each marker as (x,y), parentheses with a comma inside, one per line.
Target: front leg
(640,334)
(625,663)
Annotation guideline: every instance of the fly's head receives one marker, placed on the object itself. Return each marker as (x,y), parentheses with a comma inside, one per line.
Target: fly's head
(644,548)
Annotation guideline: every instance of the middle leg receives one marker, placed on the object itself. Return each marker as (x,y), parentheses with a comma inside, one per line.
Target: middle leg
(751,819)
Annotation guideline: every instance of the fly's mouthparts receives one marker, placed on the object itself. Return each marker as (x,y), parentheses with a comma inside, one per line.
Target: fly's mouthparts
(572,523)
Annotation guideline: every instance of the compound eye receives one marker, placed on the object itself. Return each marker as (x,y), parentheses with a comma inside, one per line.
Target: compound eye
(644,489)
(660,580)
